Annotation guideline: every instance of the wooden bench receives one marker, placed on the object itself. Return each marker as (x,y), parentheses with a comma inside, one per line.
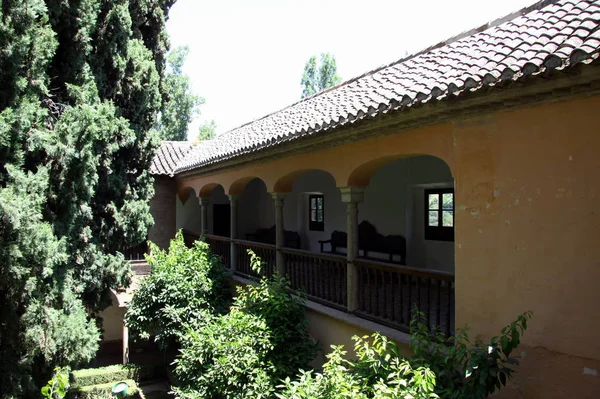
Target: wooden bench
(369,240)
(291,239)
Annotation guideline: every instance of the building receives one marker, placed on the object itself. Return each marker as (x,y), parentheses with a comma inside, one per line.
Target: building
(462,179)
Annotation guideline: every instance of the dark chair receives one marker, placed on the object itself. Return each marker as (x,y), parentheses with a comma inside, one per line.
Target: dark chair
(291,239)
(369,240)
(338,239)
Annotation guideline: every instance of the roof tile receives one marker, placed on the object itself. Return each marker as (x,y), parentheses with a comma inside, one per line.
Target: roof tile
(548,35)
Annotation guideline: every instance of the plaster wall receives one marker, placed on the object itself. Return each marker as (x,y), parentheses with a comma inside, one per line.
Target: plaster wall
(112,323)
(188,214)
(527,226)
(388,205)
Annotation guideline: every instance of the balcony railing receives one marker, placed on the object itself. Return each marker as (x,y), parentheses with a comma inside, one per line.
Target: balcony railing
(266,252)
(220,246)
(387,293)
(321,276)
(390,294)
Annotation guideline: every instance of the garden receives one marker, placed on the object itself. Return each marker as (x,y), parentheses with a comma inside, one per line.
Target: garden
(254,344)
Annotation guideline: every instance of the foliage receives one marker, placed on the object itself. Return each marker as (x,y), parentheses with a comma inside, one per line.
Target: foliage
(58,386)
(186,285)
(244,353)
(103,391)
(207,131)
(465,370)
(319,76)
(80,89)
(117,372)
(180,104)
(378,372)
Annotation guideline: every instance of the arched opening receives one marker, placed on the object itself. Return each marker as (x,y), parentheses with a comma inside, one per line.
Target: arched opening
(218,211)
(313,207)
(254,210)
(395,202)
(187,211)
(406,218)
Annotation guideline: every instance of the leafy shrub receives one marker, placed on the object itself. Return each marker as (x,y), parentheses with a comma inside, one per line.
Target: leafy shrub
(58,386)
(102,391)
(185,285)
(246,352)
(463,369)
(378,372)
(117,372)
(441,367)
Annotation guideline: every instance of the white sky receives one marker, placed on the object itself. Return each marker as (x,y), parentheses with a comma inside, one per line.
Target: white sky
(246,57)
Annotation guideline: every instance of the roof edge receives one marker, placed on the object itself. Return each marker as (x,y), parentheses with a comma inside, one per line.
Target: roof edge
(496,22)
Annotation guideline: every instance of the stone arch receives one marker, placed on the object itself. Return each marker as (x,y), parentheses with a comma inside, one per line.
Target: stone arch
(238,186)
(361,175)
(285,183)
(207,189)
(183,192)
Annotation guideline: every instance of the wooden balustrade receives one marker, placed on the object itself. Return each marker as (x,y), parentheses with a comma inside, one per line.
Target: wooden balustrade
(390,294)
(189,237)
(220,246)
(387,293)
(266,252)
(321,276)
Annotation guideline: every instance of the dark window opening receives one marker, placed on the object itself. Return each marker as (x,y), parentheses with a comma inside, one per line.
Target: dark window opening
(439,214)
(316,213)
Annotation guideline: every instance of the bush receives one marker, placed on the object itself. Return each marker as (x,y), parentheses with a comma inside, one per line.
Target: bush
(102,391)
(441,367)
(378,372)
(101,375)
(245,353)
(185,285)
(463,369)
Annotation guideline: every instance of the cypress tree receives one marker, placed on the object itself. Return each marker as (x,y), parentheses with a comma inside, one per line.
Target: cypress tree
(80,89)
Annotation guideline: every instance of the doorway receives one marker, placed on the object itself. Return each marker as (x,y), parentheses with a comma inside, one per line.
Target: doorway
(222,220)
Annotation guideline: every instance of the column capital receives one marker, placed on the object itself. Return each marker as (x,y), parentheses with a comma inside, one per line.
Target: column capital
(352,194)
(278,198)
(203,200)
(233,197)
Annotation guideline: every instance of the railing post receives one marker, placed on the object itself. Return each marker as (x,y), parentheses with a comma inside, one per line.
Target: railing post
(233,230)
(352,196)
(203,215)
(279,232)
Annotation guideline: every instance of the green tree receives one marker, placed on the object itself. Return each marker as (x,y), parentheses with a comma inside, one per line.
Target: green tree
(80,89)
(207,130)
(318,77)
(180,104)
(186,285)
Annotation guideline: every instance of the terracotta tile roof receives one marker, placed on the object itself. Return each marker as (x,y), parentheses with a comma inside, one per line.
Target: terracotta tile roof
(168,155)
(550,35)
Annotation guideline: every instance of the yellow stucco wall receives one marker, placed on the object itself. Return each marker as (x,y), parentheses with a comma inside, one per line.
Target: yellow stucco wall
(528,238)
(527,227)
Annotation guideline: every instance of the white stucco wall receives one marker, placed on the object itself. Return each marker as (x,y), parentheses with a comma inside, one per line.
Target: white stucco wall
(188,214)
(112,323)
(393,204)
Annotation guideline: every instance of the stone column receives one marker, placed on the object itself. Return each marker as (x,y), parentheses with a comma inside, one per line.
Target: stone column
(125,344)
(233,228)
(279,232)
(203,215)
(352,196)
